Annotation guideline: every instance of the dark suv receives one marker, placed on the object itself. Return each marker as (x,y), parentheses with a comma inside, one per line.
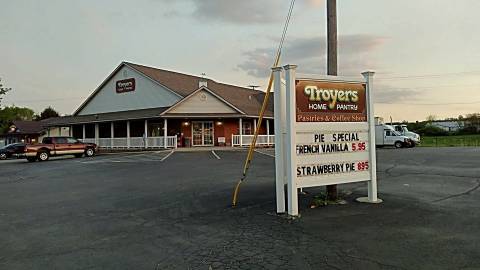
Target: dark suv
(12,150)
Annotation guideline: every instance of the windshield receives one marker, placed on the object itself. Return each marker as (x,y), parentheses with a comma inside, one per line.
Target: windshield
(8,145)
(404,128)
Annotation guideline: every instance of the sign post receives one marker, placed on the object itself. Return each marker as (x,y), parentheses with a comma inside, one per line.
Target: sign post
(292,185)
(330,135)
(279,129)
(372,184)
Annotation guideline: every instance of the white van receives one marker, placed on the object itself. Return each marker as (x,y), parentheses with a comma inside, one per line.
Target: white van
(403,130)
(385,135)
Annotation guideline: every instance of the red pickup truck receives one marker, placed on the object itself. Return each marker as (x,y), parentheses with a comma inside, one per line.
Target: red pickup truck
(58,146)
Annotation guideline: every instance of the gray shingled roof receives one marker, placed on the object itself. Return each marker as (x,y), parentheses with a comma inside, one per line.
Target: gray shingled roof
(106,117)
(27,127)
(247,100)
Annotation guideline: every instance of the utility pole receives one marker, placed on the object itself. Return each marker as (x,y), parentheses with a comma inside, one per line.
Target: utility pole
(332,37)
(332,193)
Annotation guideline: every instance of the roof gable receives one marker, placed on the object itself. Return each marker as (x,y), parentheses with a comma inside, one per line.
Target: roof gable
(202,101)
(144,93)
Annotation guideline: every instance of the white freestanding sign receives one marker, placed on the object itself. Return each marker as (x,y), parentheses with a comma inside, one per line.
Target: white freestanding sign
(325,134)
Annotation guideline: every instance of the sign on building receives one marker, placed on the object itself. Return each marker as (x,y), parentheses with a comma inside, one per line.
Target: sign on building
(127,85)
(329,128)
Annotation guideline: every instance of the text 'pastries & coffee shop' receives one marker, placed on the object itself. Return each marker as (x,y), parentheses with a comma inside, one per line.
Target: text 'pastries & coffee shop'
(138,106)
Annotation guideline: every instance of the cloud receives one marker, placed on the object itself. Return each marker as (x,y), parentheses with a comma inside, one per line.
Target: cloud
(388,95)
(315,3)
(258,62)
(245,11)
(355,55)
(240,11)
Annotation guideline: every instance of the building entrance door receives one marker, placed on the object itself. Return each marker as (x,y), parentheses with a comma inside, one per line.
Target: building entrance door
(202,133)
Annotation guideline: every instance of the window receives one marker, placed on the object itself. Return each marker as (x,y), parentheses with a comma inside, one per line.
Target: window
(71,140)
(155,128)
(60,140)
(388,133)
(19,147)
(247,128)
(47,140)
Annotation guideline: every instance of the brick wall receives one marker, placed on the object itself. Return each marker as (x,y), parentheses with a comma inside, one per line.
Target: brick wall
(222,128)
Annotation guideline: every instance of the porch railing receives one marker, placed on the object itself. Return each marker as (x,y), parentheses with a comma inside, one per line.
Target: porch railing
(133,142)
(246,140)
(88,140)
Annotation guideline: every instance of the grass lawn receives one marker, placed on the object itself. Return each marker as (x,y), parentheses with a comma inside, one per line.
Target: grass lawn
(463,140)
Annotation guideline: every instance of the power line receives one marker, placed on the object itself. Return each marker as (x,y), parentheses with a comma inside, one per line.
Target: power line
(429,87)
(430,104)
(426,76)
(285,28)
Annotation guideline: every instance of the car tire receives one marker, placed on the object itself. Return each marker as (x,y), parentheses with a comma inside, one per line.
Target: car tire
(398,144)
(3,156)
(31,159)
(89,152)
(43,155)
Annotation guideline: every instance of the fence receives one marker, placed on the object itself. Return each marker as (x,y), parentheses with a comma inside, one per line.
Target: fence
(134,142)
(445,141)
(246,140)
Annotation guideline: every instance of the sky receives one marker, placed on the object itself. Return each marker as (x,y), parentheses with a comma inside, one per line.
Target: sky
(426,53)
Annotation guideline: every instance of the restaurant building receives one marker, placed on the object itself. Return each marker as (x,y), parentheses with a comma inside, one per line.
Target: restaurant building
(144,107)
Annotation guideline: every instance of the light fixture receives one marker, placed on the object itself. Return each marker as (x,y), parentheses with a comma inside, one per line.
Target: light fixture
(219,123)
(186,123)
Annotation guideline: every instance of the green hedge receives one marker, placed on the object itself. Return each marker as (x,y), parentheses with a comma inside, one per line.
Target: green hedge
(465,140)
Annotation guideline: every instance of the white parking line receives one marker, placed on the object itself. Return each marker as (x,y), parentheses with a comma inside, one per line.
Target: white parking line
(266,154)
(92,162)
(215,154)
(165,157)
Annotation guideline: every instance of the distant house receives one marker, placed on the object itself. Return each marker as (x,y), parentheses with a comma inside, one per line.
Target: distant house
(23,131)
(473,123)
(448,125)
(31,132)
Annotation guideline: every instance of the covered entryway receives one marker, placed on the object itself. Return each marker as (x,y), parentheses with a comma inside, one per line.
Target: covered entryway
(202,133)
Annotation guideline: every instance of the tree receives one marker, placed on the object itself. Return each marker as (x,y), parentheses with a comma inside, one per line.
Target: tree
(3,90)
(472,122)
(431,118)
(13,113)
(417,126)
(430,130)
(49,112)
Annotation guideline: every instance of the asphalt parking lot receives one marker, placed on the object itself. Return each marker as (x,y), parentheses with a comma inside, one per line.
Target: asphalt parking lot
(160,210)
